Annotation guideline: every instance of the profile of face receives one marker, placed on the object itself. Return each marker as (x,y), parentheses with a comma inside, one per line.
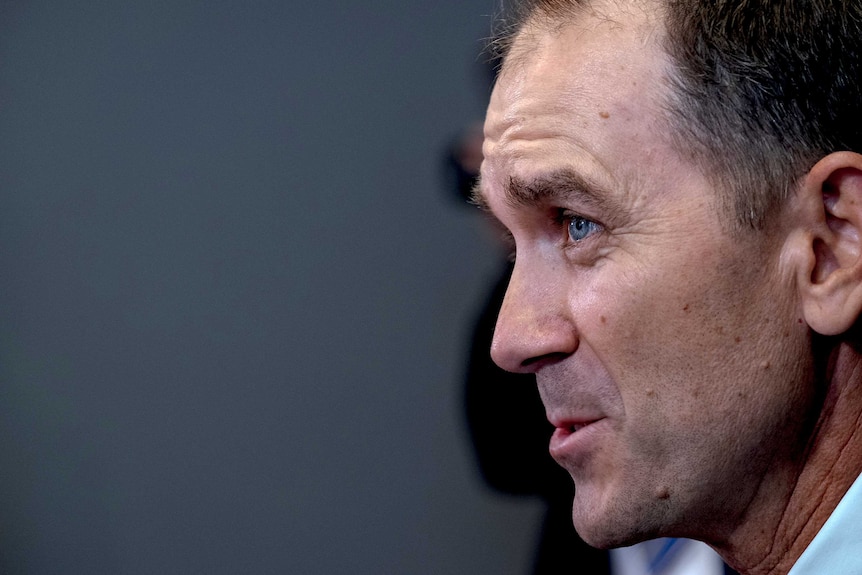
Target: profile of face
(668,349)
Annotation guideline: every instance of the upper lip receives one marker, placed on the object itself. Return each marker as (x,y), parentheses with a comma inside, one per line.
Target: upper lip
(573,424)
(566,442)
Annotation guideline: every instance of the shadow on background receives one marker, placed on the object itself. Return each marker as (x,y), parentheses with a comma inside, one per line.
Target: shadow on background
(232,299)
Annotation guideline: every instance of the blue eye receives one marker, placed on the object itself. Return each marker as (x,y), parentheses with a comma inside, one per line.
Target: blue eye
(580,228)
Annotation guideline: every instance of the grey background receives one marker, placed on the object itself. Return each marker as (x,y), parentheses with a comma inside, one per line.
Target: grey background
(234,291)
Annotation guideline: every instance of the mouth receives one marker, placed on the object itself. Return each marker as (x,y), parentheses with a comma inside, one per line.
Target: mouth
(575,439)
(573,426)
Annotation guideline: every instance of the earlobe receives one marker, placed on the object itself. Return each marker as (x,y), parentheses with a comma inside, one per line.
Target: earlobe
(831,281)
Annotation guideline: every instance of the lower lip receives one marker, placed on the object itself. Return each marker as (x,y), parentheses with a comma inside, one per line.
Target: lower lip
(571,447)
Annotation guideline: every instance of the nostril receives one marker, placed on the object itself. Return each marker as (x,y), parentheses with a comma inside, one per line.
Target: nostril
(534,327)
(533,364)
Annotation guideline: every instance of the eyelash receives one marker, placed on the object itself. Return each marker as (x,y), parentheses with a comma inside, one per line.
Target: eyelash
(509,243)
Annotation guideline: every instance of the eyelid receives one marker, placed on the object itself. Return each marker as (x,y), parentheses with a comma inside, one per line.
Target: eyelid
(564,215)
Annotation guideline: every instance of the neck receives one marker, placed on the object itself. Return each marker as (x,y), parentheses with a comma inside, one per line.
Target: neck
(791,508)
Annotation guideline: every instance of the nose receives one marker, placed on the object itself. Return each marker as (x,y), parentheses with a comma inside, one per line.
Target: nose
(534,327)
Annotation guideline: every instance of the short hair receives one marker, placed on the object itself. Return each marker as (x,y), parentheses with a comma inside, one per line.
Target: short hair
(761,89)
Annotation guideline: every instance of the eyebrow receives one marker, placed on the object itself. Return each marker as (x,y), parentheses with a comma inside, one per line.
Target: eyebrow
(555,187)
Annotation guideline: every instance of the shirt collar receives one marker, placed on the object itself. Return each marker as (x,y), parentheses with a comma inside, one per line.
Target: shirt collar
(837,547)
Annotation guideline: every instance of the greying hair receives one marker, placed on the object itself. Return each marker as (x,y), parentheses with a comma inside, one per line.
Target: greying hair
(761,90)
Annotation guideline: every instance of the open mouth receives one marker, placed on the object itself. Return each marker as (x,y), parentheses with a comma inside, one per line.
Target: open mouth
(574,440)
(570,427)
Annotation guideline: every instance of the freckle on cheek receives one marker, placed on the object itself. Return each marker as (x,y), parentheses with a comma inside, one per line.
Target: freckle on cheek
(603,319)
(650,393)
(737,339)
(604,115)
(663,493)
(685,307)
(765,365)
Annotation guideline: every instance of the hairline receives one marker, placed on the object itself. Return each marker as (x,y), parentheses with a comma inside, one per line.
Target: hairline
(513,47)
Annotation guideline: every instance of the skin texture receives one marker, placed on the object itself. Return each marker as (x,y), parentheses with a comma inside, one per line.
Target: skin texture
(686,346)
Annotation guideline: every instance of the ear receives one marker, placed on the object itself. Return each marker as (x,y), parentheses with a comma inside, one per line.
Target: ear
(830,281)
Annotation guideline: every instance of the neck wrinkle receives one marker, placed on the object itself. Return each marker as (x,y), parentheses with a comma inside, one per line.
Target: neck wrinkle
(828,466)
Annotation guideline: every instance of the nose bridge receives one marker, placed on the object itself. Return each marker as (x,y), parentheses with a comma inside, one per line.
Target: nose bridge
(534,323)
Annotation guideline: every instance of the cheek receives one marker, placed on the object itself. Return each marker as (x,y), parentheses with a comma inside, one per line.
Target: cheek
(689,340)
(704,369)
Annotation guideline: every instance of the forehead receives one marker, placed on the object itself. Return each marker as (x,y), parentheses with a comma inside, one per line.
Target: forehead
(579,96)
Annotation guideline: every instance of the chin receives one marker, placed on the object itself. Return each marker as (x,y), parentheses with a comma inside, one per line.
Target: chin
(606,539)
(610,528)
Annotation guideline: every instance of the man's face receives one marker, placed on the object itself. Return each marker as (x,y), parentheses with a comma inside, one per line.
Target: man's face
(668,349)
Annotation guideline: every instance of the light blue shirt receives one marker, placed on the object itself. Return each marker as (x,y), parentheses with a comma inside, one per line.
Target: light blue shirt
(683,557)
(837,548)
